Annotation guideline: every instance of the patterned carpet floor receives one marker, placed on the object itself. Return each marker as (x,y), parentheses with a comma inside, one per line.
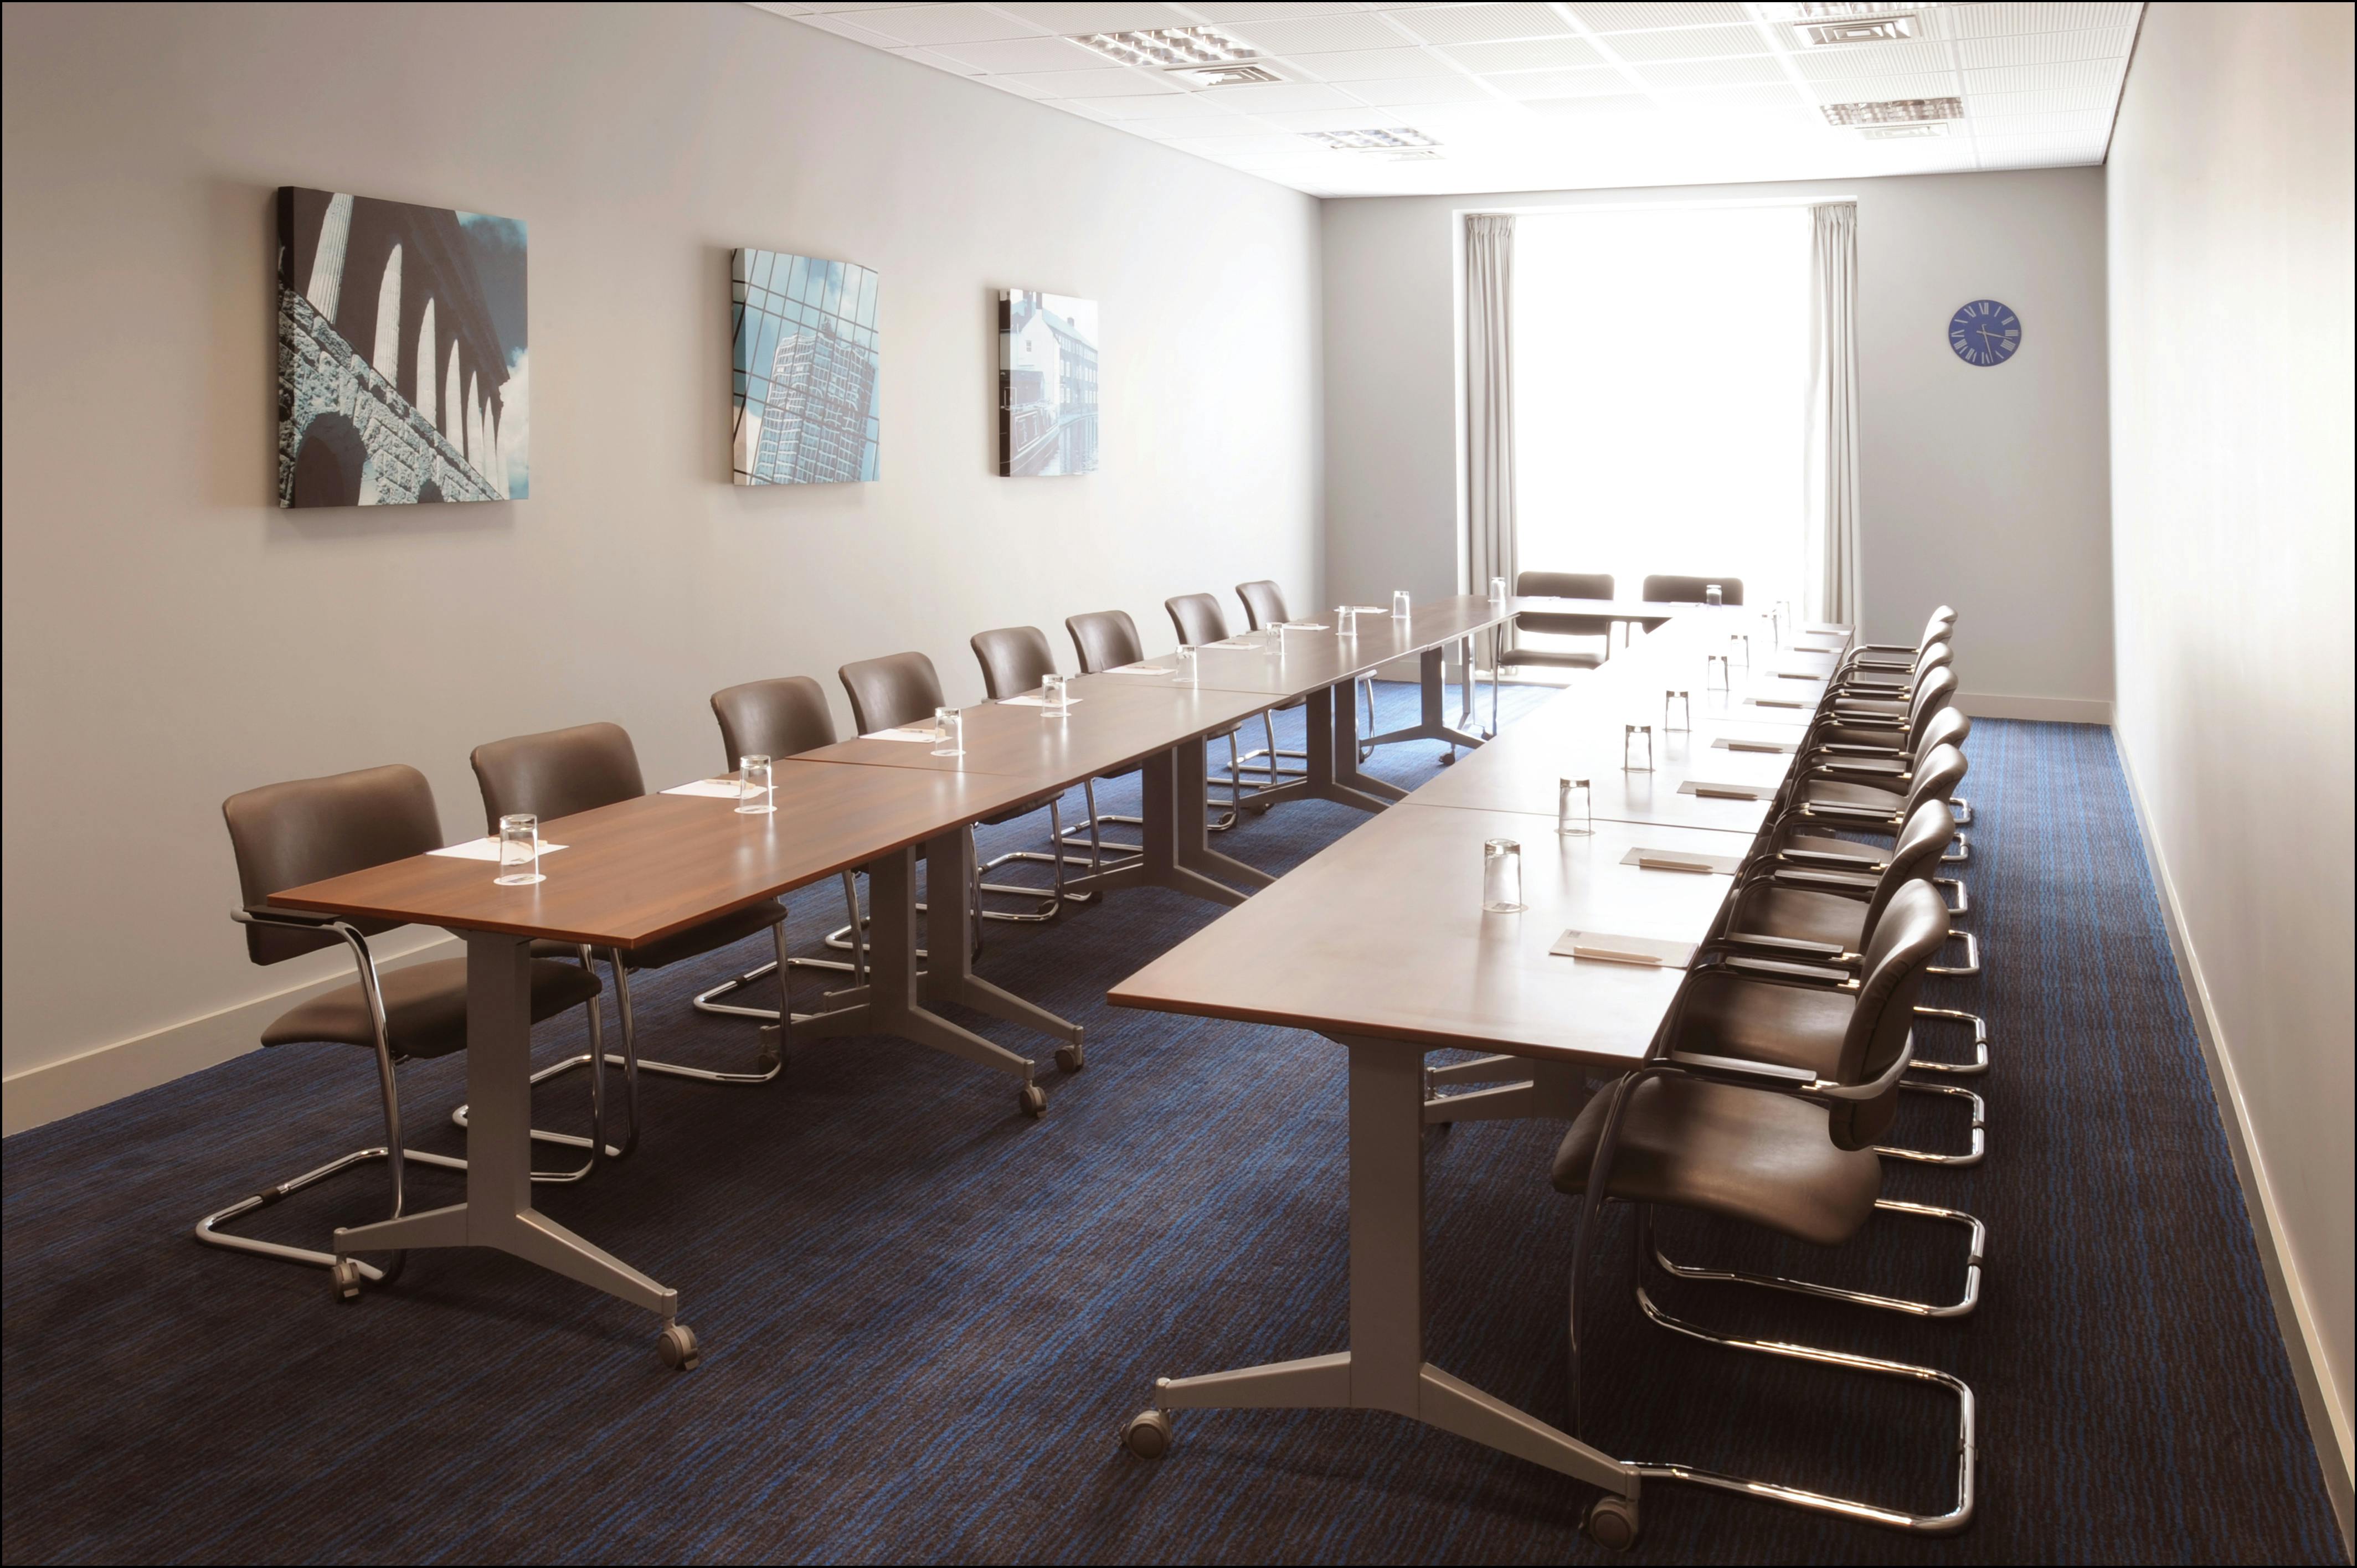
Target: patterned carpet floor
(925,1317)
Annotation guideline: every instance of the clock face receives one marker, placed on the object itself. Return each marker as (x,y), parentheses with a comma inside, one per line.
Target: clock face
(1984,333)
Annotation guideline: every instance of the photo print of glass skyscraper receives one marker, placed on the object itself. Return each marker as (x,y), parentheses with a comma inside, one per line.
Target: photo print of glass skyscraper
(805,405)
(1047,384)
(404,374)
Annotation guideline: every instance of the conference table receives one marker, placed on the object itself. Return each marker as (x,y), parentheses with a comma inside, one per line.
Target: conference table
(1382,944)
(636,871)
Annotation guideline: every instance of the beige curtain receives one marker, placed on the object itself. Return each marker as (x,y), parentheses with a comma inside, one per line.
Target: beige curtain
(1832,513)
(1489,402)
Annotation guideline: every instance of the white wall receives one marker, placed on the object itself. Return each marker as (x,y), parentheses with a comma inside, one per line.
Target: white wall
(172,636)
(1984,489)
(2231,284)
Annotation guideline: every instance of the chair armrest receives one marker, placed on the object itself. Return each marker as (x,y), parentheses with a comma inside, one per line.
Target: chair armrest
(1823,860)
(1860,883)
(1864,647)
(270,915)
(1879,1086)
(1852,718)
(1761,945)
(1858,771)
(1763,1073)
(1836,810)
(1852,748)
(1810,976)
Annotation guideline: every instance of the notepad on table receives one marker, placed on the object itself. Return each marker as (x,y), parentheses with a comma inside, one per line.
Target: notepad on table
(1777,747)
(926,735)
(1651,952)
(1813,648)
(485,849)
(1033,700)
(711,788)
(1233,643)
(1683,860)
(1723,791)
(1775,703)
(1139,669)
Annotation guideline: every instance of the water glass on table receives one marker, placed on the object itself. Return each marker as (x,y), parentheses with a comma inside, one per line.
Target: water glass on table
(754,796)
(1501,876)
(949,731)
(1190,665)
(1055,697)
(1399,605)
(1345,620)
(519,851)
(1573,813)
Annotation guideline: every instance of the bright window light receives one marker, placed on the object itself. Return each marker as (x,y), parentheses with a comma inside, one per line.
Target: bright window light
(1661,394)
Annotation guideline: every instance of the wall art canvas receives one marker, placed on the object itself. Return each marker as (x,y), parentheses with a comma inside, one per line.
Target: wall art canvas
(805,409)
(1046,383)
(404,372)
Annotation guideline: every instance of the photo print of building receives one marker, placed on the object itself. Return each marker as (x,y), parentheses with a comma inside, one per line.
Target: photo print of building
(1047,384)
(402,367)
(805,406)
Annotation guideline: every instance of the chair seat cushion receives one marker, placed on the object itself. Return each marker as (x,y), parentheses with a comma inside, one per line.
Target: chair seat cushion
(1768,910)
(424,1007)
(1842,792)
(1864,854)
(1758,1021)
(1837,734)
(1752,1155)
(708,936)
(1888,707)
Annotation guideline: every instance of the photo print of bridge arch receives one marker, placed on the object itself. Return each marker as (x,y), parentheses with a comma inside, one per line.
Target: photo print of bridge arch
(404,372)
(805,404)
(1047,384)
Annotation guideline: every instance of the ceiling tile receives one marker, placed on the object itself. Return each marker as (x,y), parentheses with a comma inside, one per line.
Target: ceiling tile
(1527,54)
(946,23)
(938,61)
(1328,33)
(1712,73)
(1599,107)
(842,27)
(1730,99)
(1873,59)
(1166,106)
(1419,89)
(1991,105)
(1032,54)
(1225,11)
(1619,18)
(1073,17)
(1365,65)
(2098,122)
(1114,81)
(2088,75)
(1358,117)
(2036,49)
(1560,83)
(1883,89)
(1996,21)
(1482,23)
(1688,43)
(1261,97)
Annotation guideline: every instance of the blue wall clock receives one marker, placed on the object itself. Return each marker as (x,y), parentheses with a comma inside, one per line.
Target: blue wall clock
(1984,333)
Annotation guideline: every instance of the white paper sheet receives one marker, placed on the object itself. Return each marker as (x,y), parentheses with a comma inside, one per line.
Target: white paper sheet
(485,849)
(926,735)
(1687,860)
(1140,669)
(1036,701)
(1651,952)
(1233,643)
(711,788)
(1714,791)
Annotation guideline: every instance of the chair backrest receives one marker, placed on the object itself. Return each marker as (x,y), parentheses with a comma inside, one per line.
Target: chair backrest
(1263,604)
(284,835)
(772,718)
(1014,659)
(1948,727)
(1914,857)
(1937,774)
(897,689)
(1565,585)
(1935,691)
(1198,619)
(558,772)
(1908,937)
(1104,639)
(1666,589)
(1939,627)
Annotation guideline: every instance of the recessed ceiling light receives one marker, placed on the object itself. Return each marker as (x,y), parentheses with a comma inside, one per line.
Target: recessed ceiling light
(1880,29)
(1841,10)
(1900,133)
(1894,112)
(1170,48)
(1223,75)
(1397,139)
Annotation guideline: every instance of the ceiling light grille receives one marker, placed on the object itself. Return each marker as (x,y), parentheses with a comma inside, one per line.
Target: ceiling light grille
(1887,29)
(1400,141)
(1171,48)
(1894,112)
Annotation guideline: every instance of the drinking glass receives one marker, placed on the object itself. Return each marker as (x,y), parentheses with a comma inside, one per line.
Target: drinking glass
(1574,815)
(1717,664)
(1710,594)
(1190,665)
(1345,620)
(1055,696)
(1685,699)
(1399,605)
(1501,876)
(1497,590)
(519,851)
(1628,734)
(949,731)
(754,796)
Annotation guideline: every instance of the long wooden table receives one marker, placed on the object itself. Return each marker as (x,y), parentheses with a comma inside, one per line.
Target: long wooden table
(1379,943)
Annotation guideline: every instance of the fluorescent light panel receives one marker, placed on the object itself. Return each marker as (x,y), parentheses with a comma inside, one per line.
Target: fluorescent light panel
(1398,139)
(1894,112)
(1169,49)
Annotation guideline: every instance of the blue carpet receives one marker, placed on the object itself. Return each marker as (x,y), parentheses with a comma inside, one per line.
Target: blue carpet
(925,1317)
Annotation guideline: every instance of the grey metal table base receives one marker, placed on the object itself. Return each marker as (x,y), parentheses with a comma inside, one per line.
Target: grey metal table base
(497,1211)
(1539,1089)
(1384,1369)
(1333,760)
(1177,851)
(1432,722)
(893,1001)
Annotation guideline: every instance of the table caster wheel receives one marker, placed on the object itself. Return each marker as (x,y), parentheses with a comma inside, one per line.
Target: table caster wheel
(344,1278)
(1449,759)
(1148,1435)
(677,1348)
(1033,1101)
(1071,1057)
(1612,1522)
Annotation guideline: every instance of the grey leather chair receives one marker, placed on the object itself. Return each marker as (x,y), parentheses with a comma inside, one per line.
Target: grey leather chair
(1015,662)
(1199,621)
(1761,1103)
(1107,640)
(560,773)
(781,717)
(903,689)
(1560,586)
(287,835)
(1265,605)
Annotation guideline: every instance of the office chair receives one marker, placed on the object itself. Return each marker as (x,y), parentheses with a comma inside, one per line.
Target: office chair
(1015,661)
(1761,1103)
(1198,621)
(1560,586)
(1263,604)
(1107,640)
(781,717)
(287,835)
(901,688)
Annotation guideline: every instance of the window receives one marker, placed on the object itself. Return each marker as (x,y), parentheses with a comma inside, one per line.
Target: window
(1661,394)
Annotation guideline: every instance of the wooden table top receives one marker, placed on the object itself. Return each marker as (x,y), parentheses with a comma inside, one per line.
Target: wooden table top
(1313,660)
(641,869)
(1383,934)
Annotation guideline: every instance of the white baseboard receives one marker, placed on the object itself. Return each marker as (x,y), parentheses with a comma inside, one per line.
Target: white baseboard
(2051,710)
(2213,1035)
(83,1083)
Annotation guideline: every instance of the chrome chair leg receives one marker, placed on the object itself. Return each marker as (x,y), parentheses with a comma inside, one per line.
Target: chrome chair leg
(1048,903)
(1980,1061)
(1963,904)
(1962,808)
(1972,964)
(708,1001)
(595,1142)
(1097,843)
(1972,1156)
(1977,1234)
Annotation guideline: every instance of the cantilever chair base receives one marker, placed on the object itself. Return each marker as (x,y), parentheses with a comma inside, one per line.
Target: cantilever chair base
(208,1231)
(1980,1061)
(1972,1156)
(1963,1306)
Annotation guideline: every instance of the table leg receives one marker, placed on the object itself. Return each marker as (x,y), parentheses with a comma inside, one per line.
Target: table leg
(1432,723)
(1333,751)
(896,991)
(1345,751)
(1385,1367)
(497,1211)
(1171,857)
